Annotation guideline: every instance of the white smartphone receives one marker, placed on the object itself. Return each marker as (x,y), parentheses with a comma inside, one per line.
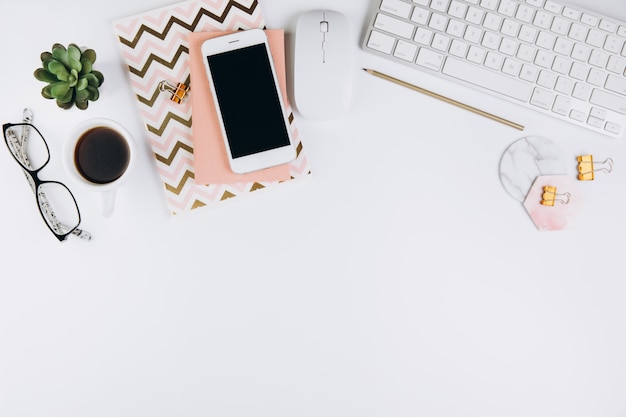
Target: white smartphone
(250,107)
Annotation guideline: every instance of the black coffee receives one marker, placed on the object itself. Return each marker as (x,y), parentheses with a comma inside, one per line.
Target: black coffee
(101,155)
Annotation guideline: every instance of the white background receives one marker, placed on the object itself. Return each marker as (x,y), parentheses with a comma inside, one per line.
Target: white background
(399,279)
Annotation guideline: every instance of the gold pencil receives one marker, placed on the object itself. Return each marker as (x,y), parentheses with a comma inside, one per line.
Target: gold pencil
(446,99)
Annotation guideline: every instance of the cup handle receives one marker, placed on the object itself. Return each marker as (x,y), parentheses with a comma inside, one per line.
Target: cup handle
(108,202)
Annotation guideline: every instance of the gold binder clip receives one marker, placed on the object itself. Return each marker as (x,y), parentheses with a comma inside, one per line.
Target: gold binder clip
(179,91)
(550,196)
(587,170)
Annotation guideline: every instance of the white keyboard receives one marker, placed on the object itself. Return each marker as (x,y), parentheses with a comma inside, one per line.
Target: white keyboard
(546,55)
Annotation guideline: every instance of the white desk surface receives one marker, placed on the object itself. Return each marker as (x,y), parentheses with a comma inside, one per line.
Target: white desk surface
(400,279)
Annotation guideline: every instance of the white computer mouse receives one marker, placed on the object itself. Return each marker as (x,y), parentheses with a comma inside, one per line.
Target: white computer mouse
(323,65)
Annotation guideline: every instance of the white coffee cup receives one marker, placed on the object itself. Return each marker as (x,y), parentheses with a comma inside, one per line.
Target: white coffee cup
(99,154)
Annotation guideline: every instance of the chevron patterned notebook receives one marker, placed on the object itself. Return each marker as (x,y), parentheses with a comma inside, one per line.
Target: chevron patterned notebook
(155,47)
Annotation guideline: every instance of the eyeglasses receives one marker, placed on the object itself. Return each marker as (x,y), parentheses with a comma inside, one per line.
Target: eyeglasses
(55,201)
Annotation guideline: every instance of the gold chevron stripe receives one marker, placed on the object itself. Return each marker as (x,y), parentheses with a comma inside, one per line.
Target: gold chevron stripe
(197,204)
(257,186)
(150,101)
(176,190)
(170,116)
(227,195)
(191,27)
(168,161)
(153,58)
(298,149)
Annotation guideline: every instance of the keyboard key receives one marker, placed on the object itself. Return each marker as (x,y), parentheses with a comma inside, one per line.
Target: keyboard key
(440,42)
(608,100)
(457,9)
(439,5)
(571,13)
(613,44)
(546,79)
(526,53)
(616,65)
(494,61)
(578,115)
(458,48)
(581,52)
(553,7)
(613,128)
(542,98)
(596,38)
(455,28)
(476,54)
(595,122)
(579,71)
(511,67)
(396,7)
(438,22)
(394,26)
(525,13)
(473,34)
(562,105)
(475,15)
(405,50)
(578,32)
(510,28)
(423,36)
(616,84)
(582,91)
(420,16)
(589,19)
(564,85)
(529,73)
(508,8)
(596,77)
(598,59)
(381,42)
(490,80)
(429,59)
(607,26)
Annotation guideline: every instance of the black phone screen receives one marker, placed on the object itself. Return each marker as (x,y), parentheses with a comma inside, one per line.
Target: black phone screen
(248,100)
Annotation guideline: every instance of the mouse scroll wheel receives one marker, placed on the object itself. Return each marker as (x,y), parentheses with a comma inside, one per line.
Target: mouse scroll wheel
(324,26)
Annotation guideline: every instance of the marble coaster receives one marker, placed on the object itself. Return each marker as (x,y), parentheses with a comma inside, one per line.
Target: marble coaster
(525,160)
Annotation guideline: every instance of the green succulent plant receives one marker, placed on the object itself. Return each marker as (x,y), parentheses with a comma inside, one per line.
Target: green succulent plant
(70,76)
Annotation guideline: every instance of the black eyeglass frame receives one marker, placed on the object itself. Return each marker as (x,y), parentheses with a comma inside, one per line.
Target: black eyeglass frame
(37,182)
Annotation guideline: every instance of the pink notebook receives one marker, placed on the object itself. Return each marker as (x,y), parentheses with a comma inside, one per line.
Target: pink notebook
(154,46)
(210,157)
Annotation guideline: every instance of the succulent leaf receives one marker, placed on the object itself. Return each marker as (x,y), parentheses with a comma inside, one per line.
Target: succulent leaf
(93,93)
(45,92)
(82,104)
(99,76)
(44,75)
(60,54)
(65,106)
(82,85)
(73,52)
(59,89)
(82,95)
(75,64)
(92,80)
(67,98)
(46,57)
(90,54)
(87,66)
